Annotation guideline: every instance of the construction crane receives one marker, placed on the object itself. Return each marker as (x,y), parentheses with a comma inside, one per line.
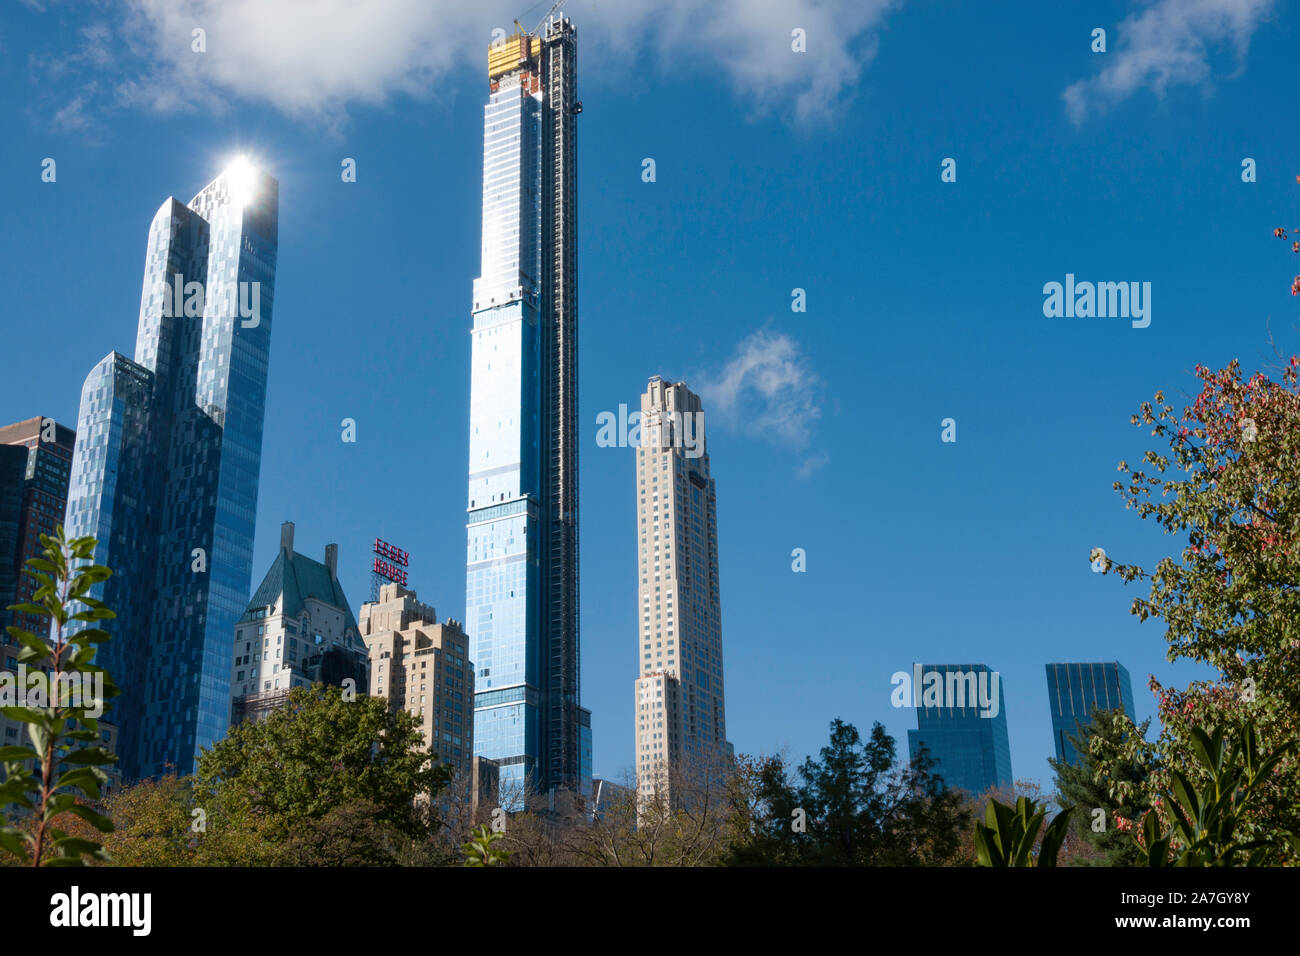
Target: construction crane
(533,32)
(577,106)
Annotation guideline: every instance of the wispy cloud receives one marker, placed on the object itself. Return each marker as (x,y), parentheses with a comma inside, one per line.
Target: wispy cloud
(813,465)
(1170,43)
(314,59)
(768,389)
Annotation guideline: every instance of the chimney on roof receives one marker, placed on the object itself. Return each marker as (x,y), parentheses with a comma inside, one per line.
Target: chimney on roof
(286,537)
(332,559)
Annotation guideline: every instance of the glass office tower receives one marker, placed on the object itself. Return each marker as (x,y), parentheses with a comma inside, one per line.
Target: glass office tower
(972,752)
(522,521)
(35,462)
(1075,690)
(166,467)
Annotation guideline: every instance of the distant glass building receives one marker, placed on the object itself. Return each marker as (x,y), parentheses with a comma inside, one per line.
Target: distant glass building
(1075,690)
(972,752)
(35,461)
(165,472)
(521,593)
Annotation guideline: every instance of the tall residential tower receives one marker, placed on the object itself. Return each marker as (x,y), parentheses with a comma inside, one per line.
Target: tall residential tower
(166,467)
(681,722)
(522,522)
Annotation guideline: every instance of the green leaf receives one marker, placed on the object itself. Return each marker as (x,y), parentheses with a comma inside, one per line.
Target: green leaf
(89,779)
(24,715)
(97,820)
(1054,837)
(13,843)
(90,755)
(29,608)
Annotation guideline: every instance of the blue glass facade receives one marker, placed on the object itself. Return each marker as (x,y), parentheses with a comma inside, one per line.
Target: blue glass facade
(35,464)
(166,474)
(521,563)
(1075,690)
(972,752)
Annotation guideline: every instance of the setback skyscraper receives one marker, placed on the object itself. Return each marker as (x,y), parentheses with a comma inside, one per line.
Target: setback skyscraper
(1074,690)
(681,720)
(422,667)
(964,726)
(165,472)
(522,524)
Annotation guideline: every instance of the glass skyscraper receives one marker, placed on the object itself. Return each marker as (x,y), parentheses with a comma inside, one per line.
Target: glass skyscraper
(522,521)
(166,466)
(1075,690)
(35,461)
(972,751)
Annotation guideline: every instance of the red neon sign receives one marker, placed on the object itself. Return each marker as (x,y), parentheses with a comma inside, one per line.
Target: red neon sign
(391,552)
(389,571)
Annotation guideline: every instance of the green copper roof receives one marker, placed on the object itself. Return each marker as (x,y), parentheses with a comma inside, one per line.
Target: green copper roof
(298,577)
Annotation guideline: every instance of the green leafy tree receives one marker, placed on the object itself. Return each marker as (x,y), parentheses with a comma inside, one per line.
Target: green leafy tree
(1207,823)
(1008,835)
(1228,485)
(1105,736)
(481,851)
(152,823)
(60,773)
(349,835)
(315,754)
(858,806)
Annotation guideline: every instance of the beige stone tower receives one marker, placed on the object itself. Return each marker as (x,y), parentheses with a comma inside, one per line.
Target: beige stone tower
(422,667)
(681,728)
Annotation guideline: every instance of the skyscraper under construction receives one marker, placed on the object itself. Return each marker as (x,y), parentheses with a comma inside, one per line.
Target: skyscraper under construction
(522,521)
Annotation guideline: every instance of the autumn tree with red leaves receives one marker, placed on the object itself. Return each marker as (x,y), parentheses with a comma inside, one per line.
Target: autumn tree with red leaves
(1229,486)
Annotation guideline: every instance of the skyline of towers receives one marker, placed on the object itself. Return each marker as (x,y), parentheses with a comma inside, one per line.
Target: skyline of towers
(165,474)
(679,699)
(521,601)
(1073,690)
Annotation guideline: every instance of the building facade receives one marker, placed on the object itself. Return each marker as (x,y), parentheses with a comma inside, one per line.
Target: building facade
(681,723)
(423,667)
(165,472)
(35,463)
(298,630)
(968,742)
(522,518)
(1075,690)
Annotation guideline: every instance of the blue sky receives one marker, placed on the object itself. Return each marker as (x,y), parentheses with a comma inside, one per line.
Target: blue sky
(775,170)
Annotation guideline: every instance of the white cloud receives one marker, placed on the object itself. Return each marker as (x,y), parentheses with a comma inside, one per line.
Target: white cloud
(315,58)
(767,389)
(1170,43)
(814,464)
(72,116)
